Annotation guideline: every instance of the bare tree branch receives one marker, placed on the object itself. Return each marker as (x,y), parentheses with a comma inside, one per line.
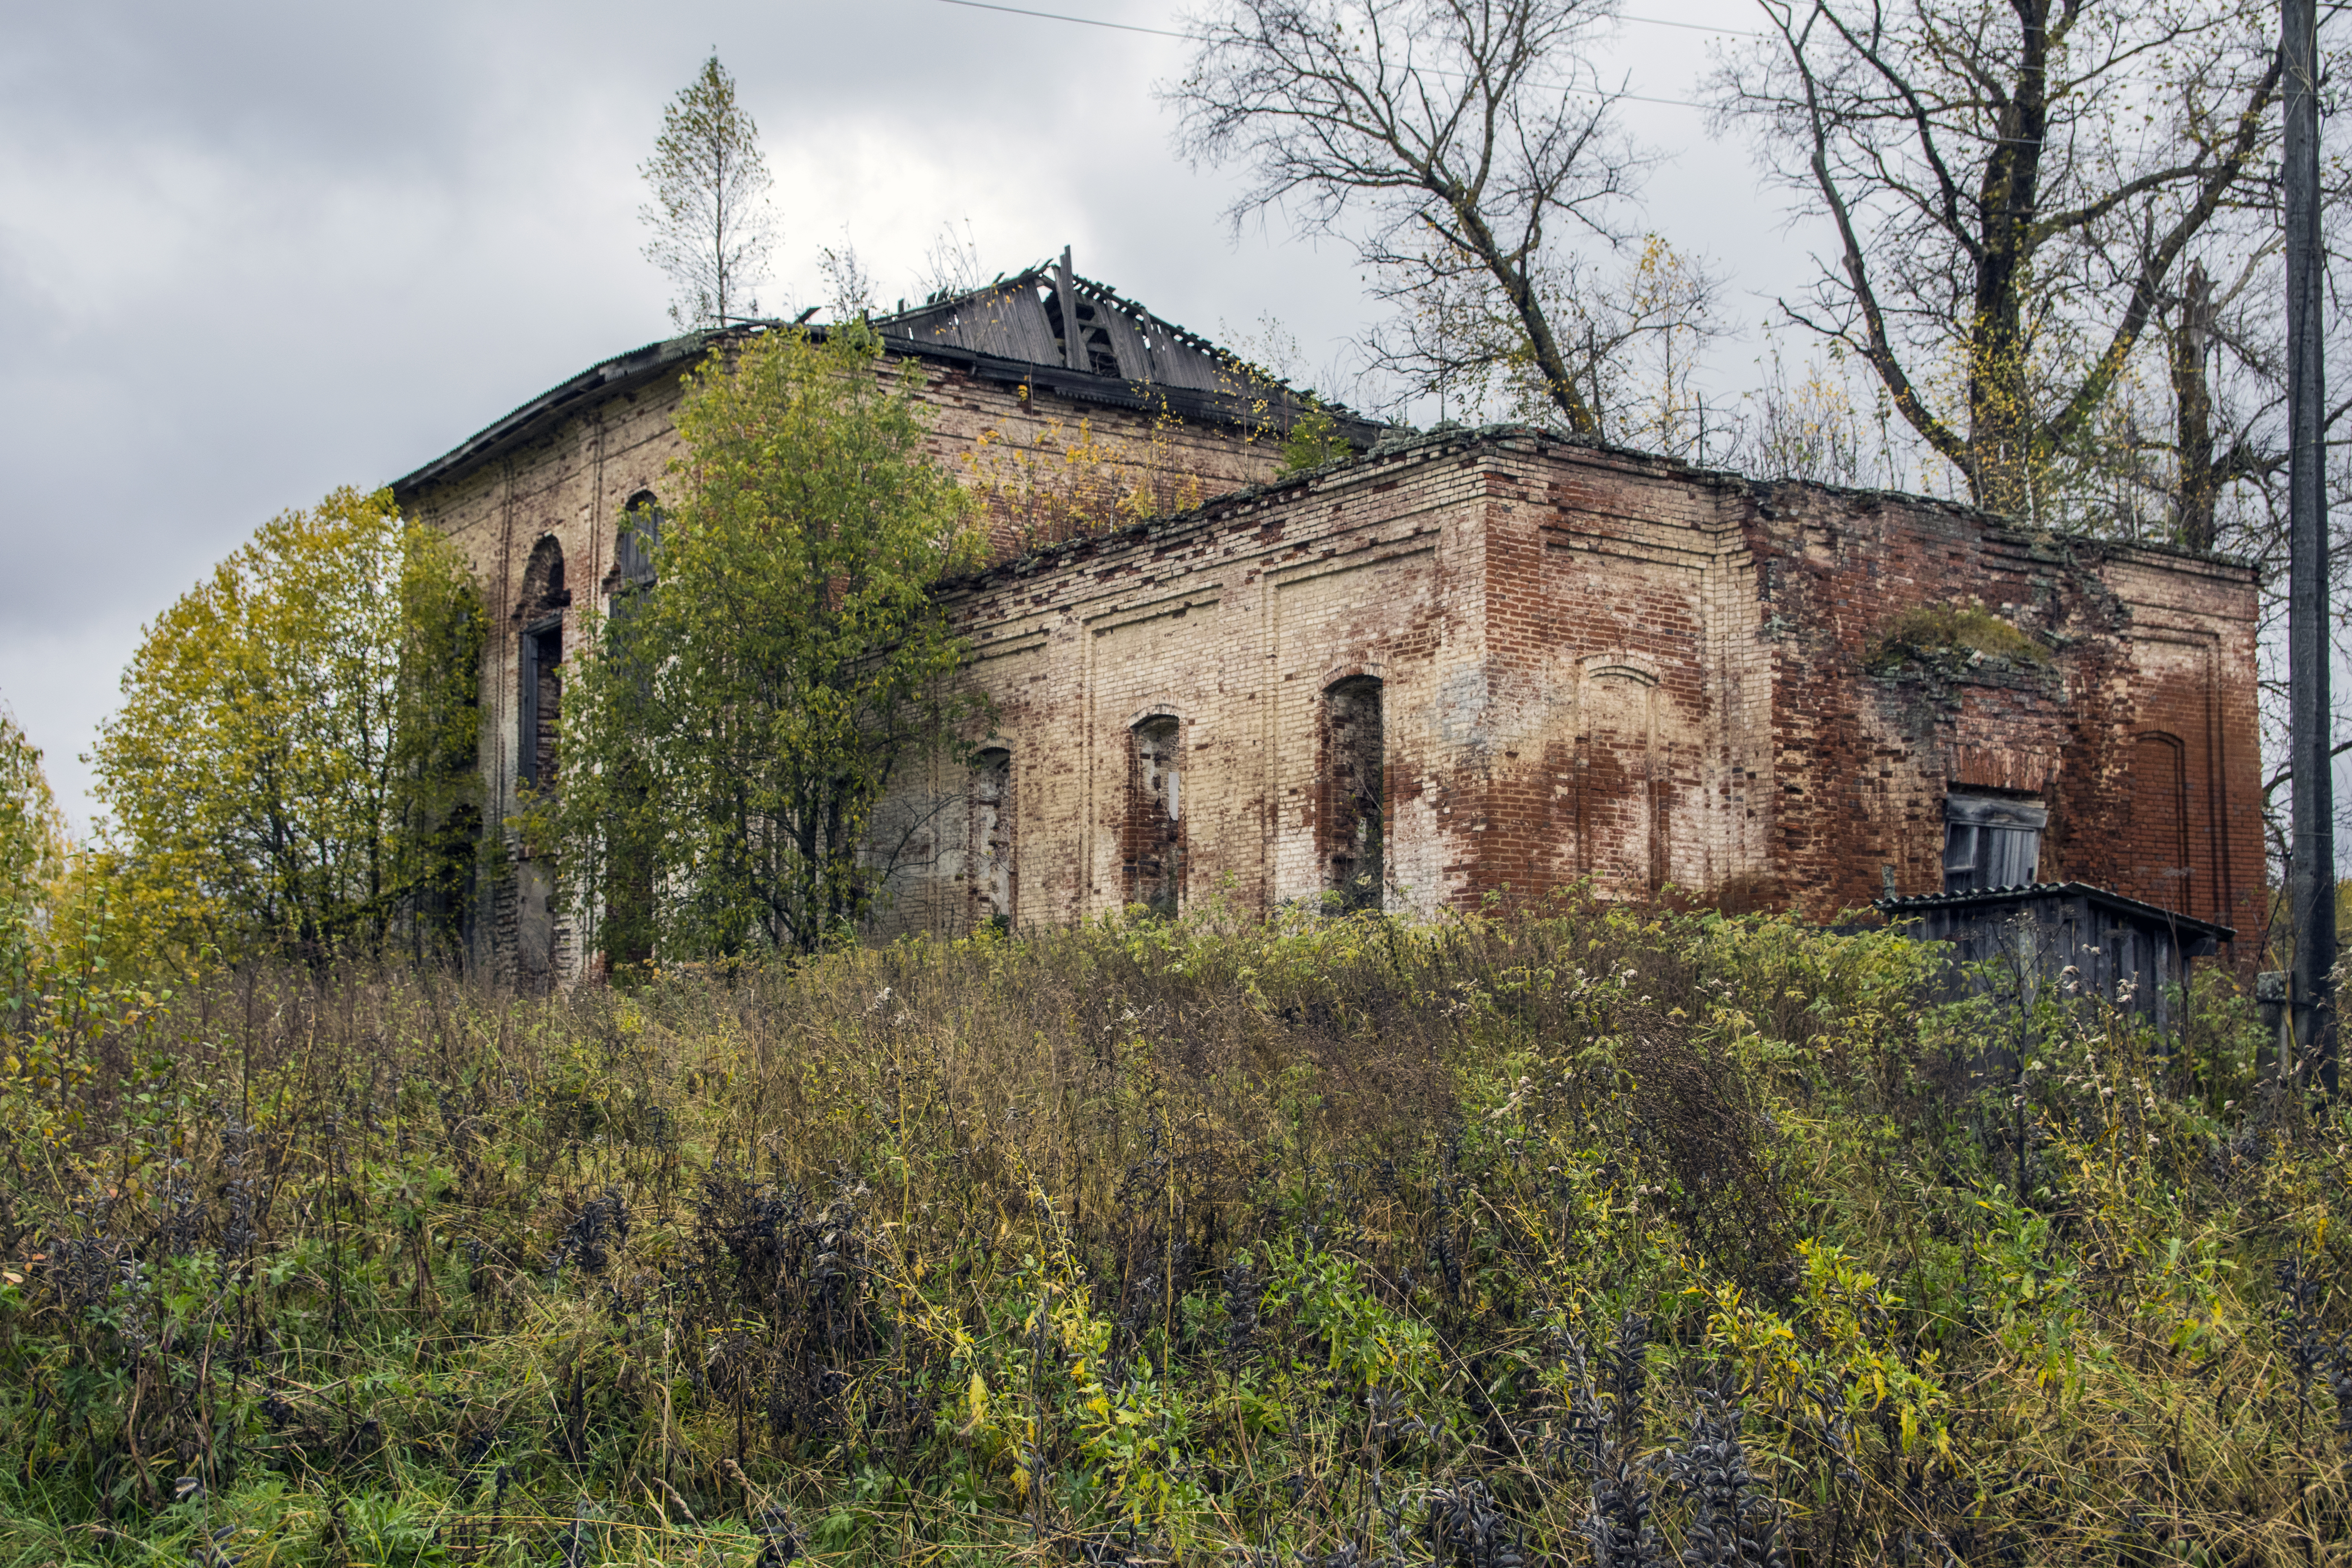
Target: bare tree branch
(1454,128)
(1988,167)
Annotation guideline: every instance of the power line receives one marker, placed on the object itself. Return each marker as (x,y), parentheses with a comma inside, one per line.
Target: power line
(1083,21)
(1555,86)
(1694,27)
(1195,38)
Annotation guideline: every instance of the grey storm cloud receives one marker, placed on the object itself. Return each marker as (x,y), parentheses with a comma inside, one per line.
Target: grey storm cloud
(249,253)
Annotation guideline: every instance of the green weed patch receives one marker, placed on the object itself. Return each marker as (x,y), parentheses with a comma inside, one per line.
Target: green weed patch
(1578,1233)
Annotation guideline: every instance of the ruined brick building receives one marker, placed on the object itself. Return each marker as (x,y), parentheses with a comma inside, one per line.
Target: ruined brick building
(1460,663)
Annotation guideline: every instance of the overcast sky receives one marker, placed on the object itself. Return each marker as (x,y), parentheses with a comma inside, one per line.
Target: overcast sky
(252,251)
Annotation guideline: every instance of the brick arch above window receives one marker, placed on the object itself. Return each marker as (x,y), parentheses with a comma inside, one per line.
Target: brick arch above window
(1151,711)
(1352,669)
(1619,665)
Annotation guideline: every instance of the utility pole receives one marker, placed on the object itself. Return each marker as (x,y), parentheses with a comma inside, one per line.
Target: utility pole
(2311,889)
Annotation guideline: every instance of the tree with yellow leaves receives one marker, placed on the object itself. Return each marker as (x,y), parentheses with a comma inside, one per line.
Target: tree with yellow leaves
(32,830)
(291,764)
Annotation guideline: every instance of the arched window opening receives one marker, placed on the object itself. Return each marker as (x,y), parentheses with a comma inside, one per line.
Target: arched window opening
(1352,816)
(992,838)
(639,538)
(542,581)
(1154,852)
(541,711)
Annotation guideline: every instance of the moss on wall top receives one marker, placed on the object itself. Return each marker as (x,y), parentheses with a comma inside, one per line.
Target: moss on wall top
(1940,633)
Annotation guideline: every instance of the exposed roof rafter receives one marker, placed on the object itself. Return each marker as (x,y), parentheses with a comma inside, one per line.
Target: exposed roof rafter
(1010,329)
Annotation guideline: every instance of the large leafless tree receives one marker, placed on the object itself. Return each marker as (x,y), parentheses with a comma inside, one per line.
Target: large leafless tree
(1460,144)
(2015,188)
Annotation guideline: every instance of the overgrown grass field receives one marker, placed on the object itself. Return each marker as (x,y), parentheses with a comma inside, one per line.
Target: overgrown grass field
(1574,1233)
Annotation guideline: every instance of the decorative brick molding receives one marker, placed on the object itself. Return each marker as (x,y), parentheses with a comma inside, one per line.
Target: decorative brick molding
(1591,664)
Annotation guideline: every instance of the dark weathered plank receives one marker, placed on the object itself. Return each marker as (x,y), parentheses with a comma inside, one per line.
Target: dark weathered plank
(1126,343)
(2126,952)
(1177,363)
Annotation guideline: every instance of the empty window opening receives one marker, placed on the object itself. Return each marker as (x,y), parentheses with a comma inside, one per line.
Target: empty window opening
(1352,813)
(1154,852)
(992,838)
(639,537)
(543,700)
(540,661)
(542,581)
(1992,841)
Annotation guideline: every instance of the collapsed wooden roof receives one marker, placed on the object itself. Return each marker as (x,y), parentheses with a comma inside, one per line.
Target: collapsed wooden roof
(1027,319)
(1009,330)
(1017,329)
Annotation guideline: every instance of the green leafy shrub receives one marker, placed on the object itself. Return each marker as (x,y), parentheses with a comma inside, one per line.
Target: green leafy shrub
(1313,440)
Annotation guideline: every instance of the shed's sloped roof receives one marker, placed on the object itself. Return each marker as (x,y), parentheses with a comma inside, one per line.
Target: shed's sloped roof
(2036,893)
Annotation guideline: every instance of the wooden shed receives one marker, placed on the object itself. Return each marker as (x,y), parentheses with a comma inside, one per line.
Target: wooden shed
(2129,952)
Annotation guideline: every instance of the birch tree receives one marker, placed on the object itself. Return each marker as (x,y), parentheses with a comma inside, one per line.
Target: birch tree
(712,228)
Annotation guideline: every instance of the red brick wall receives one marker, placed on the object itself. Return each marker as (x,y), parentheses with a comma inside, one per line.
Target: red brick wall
(1601,665)
(1046,468)
(2145,641)
(1592,664)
